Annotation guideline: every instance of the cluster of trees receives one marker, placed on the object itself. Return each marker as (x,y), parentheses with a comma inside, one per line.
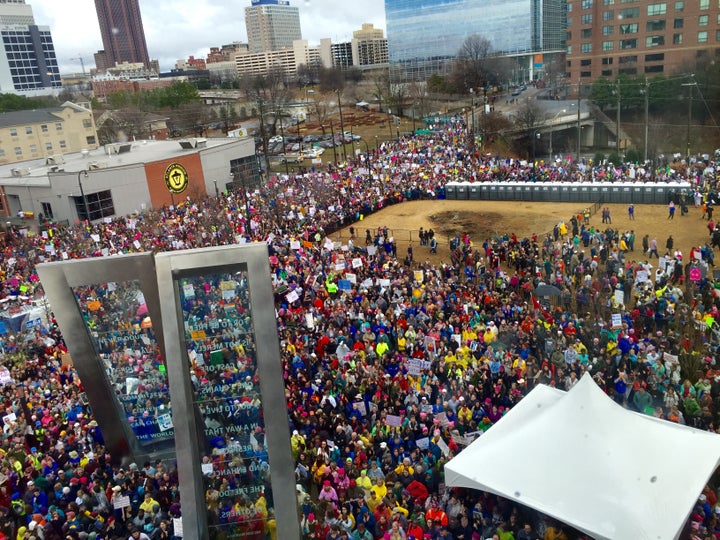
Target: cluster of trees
(169,97)
(13,102)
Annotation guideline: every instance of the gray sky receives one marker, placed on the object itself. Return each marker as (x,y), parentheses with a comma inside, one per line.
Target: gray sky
(176,29)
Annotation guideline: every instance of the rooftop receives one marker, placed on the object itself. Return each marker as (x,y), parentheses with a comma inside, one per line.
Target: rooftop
(35,172)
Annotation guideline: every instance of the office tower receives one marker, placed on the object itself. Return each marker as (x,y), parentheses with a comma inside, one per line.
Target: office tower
(122,32)
(369,46)
(272,25)
(643,38)
(28,65)
(423,35)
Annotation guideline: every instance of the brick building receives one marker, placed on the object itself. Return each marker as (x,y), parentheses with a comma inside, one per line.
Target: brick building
(640,37)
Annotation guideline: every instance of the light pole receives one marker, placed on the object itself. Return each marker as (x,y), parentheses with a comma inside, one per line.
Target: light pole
(284,153)
(332,134)
(472,116)
(646,91)
(390,123)
(577,156)
(551,132)
(689,119)
(82,193)
(617,117)
(342,126)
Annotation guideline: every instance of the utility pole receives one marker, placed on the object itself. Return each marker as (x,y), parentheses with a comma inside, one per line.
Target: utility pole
(332,134)
(689,118)
(282,135)
(647,108)
(342,126)
(577,155)
(617,118)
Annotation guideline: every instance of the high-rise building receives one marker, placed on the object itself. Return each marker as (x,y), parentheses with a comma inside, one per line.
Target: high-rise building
(423,35)
(644,38)
(369,46)
(272,25)
(28,64)
(122,33)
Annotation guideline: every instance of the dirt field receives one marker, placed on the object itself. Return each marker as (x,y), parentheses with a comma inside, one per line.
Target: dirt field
(482,219)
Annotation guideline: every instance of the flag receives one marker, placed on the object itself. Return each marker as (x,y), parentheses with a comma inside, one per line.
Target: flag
(536,305)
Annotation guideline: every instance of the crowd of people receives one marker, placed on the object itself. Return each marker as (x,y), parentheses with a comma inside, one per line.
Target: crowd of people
(392,364)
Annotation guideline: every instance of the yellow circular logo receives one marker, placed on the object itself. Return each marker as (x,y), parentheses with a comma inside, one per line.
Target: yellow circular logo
(176,178)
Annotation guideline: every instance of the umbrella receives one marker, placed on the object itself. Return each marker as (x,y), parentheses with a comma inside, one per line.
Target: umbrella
(142,310)
(546,290)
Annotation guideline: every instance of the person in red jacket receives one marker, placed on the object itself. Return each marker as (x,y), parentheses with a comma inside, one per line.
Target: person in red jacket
(435,513)
(414,530)
(418,491)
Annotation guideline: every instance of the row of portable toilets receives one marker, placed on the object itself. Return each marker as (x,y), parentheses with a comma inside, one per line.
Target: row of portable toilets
(608,193)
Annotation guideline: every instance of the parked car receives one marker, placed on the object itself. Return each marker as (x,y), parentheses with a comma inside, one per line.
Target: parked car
(291,158)
(314,153)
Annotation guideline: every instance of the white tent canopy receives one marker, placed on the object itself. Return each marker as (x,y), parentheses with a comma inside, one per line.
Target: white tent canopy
(583,459)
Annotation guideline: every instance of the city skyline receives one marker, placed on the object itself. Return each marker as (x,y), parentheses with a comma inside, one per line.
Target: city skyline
(182,28)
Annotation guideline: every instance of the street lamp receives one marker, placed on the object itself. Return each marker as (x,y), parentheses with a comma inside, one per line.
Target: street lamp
(390,123)
(82,193)
(551,131)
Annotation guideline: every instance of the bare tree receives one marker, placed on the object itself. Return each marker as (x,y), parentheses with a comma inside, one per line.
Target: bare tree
(492,125)
(269,95)
(123,124)
(476,67)
(469,67)
(417,92)
(318,108)
(529,118)
(393,94)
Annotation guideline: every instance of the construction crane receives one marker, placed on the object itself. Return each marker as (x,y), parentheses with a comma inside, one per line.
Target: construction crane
(82,62)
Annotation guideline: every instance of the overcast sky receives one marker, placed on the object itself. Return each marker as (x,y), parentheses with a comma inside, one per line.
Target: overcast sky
(176,29)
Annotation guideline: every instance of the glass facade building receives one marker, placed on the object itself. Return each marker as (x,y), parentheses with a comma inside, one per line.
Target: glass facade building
(423,34)
(271,25)
(28,64)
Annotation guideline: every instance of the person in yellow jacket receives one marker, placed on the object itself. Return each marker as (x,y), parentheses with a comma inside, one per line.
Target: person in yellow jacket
(464,412)
(297,442)
(363,481)
(406,465)
(149,504)
(379,489)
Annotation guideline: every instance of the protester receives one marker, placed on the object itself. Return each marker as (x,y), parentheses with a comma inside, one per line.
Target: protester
(392,364)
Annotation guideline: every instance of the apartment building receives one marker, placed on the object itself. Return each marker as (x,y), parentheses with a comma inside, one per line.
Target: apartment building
(369,46)
(640,37)
(42,133)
